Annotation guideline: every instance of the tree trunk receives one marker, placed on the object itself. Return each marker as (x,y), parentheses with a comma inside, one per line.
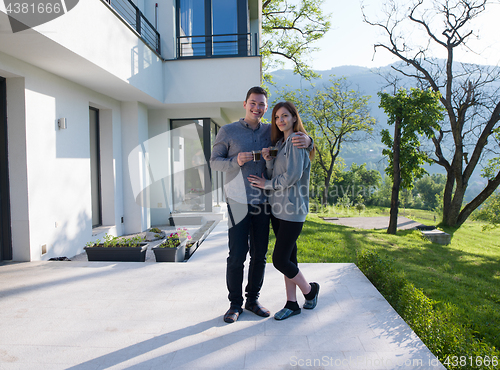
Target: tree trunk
(478,200)
(328,178)
(396,178)
(447,197)
(459,181)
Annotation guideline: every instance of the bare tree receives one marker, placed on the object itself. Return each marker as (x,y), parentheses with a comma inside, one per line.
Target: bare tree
(468,91)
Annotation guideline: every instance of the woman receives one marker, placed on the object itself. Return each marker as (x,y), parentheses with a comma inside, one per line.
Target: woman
(289,200)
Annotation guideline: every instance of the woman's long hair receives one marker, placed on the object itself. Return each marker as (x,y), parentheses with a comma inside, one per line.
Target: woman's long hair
(276,134)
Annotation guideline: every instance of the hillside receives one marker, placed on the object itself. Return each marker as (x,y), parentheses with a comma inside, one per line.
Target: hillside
(367,82)
(362,79)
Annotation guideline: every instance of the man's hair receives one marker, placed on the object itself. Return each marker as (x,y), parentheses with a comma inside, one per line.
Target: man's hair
(256,90)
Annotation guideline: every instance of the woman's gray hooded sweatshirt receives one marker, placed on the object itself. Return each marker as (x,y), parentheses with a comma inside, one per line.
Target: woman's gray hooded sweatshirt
(289,184)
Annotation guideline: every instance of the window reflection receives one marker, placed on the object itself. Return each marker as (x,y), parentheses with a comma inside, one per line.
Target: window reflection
(213,29)
(189,166)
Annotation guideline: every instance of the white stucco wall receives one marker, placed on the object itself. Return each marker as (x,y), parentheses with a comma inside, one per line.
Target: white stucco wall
(90,58)
(210,80)
(135,172)
(50,184)
(89,45)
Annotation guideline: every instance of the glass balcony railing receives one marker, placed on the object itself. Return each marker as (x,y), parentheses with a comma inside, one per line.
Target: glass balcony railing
(217,45)
(134,17)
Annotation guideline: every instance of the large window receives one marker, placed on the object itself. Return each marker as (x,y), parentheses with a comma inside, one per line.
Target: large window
(213,28)
(195,187)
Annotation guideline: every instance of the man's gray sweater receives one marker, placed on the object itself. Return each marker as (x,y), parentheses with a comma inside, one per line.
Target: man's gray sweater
(232,139)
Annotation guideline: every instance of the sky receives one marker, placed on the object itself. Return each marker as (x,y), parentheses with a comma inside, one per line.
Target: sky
(350,41)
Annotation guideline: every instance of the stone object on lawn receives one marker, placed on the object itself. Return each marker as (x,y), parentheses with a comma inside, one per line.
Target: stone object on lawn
(437,236)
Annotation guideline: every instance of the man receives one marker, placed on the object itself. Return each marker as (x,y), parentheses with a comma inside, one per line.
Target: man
(247,206)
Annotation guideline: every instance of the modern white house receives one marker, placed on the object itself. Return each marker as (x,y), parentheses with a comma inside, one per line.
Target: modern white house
(108,113)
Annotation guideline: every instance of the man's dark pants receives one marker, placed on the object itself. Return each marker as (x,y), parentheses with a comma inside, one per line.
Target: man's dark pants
(248,232)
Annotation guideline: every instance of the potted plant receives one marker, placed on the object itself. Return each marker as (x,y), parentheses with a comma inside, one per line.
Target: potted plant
(117,249)
(217,208)
(171,249)
(191,247)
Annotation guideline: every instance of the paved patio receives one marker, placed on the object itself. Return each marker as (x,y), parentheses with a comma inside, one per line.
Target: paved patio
(104,315)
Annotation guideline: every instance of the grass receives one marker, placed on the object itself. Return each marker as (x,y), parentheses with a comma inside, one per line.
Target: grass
(465,273)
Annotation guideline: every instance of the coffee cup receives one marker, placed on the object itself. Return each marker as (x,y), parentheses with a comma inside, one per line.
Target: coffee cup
(273,151)
(256,155)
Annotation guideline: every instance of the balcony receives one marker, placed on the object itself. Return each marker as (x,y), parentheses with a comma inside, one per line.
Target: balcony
(227,45)
(134,17)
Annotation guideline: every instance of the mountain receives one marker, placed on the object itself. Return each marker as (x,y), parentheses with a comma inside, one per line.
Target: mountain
(363,79)
(367,82)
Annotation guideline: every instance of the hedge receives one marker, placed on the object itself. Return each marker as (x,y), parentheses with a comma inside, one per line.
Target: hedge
(439,329)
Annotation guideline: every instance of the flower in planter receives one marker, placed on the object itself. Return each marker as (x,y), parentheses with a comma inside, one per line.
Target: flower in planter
(113,241)
(183,233)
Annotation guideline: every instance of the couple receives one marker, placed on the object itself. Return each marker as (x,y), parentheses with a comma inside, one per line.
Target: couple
(248,208)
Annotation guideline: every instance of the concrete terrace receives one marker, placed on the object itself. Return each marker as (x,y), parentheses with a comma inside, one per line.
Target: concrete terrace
(124,315)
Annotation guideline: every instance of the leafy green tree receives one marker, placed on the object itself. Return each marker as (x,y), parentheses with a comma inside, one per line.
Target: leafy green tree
(413,115)
(413,33)
(333,115)
(382,195)
(490,211)
(428,189)
(358,183)
(289,30)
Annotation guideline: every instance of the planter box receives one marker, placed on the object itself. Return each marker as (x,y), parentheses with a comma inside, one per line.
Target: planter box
(176,254)
(191,249)
(117,254)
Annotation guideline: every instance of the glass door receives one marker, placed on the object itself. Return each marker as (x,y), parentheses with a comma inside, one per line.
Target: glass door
(225,27)
(209,28)
(189,165)
(217,176)
(192,28)
(95,168)
(5,230)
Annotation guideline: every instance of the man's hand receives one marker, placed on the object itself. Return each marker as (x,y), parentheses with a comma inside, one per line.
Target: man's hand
(244,157)
(302,142)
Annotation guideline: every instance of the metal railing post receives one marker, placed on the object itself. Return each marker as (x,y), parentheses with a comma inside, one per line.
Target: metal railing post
(138,20)
(256,44)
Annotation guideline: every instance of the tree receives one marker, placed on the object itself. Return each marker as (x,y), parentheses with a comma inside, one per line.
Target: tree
(428,187)
(382,195)
(489,212)
(289,30)
(413,114)
(469,96)
(335,114)
(358,183)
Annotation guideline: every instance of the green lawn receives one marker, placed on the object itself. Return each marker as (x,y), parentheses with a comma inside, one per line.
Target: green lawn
(465,273)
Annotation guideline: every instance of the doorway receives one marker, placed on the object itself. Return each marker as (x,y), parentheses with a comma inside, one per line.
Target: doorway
(95,167)
(5,229)
(195,187)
